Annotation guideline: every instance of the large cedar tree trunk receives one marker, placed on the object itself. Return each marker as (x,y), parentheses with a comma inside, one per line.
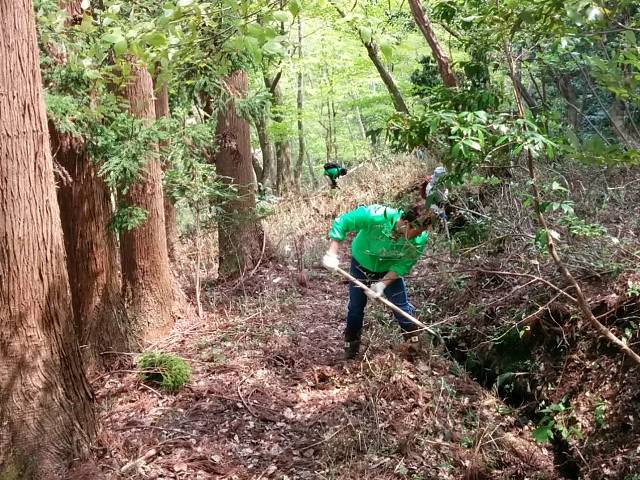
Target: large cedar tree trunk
(92,252)
(46,416)
(240,234)
(91,247)
(171,229)
(147,281)
(425,26)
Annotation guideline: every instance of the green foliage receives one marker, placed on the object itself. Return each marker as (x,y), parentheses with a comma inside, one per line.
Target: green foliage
(599,414)
(580,228)
(474,232)
(168,371)
(633,288)
(558,418)
(128,217)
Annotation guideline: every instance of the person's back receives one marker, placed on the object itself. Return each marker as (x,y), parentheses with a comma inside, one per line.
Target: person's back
(333,171)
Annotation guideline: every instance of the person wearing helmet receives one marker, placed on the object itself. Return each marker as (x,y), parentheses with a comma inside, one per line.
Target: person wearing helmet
(387,245)
(333,171)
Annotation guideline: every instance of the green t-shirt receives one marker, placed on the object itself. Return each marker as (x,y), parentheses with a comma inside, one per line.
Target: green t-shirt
(374,246)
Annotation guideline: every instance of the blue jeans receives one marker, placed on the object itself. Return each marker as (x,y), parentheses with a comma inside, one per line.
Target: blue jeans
(396,293)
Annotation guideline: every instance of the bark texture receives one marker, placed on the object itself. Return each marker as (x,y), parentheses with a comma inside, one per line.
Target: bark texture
(46,416)
(147,281)
(171,229)
(425,26)
(92,253)
(240,234)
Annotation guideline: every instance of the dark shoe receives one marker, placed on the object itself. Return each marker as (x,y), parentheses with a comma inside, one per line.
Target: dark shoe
(351,345)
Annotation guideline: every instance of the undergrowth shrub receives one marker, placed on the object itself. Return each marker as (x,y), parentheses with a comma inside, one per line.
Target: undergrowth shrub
(168,371)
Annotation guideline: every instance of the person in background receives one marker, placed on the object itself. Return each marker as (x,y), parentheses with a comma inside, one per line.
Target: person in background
(388,243)
(333,171)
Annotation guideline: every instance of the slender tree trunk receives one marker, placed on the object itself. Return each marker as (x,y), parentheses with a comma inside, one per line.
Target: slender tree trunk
(46,416)
(334,135)
(170,227)
(387,79)
(617,116)
(284,175)
(240,234)
(363,131)
(297,174)
(425,26)
(147,281)
(92,253)
(312,175)
(565,88)
(268,161)
(257,168)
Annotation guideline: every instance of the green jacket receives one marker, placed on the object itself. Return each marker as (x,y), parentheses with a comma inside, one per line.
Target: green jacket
(332,172)
(374,247)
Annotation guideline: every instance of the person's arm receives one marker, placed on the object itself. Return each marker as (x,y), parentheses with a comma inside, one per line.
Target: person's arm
(349,222)
(404,266)
(340,227)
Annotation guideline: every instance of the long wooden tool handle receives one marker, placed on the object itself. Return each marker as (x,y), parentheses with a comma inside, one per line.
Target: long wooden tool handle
(386,302)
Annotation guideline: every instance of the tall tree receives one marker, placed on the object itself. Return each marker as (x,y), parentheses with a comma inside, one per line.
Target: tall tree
(146,275)
(91,247)
(92,252)
(297,173)
(240,235)
(171,229)
(46,416)
(385,76)
(284,176)
(425,26)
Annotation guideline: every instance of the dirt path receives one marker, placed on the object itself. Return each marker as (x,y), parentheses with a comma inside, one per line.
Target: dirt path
(271,398)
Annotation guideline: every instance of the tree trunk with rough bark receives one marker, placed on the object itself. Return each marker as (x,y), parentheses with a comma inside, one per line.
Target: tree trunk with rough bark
(170,227)
(425,26)
(46,416)
(92,253)
(147,281)
(240,234)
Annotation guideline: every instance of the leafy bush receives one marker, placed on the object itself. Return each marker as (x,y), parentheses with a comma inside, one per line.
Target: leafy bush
(168,371)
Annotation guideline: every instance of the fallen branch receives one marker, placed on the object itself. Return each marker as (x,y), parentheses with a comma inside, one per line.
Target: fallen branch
(580,300)
(135,465)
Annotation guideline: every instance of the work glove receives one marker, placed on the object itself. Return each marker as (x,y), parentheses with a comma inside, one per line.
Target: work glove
(376,290)
(330,261)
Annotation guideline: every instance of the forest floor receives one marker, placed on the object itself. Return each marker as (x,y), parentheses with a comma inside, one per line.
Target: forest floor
(272,397)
